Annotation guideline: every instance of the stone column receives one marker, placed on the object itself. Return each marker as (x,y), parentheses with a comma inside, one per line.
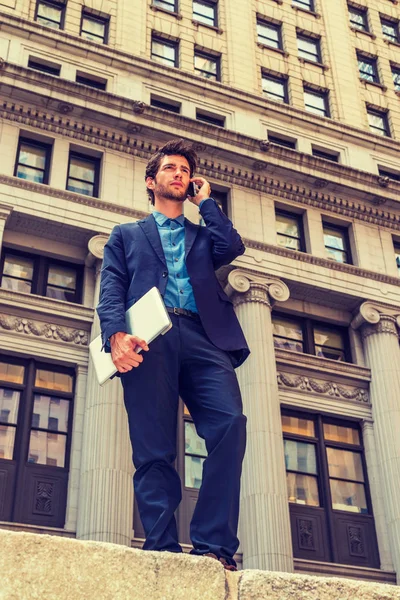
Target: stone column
(105,510)
(5,212)
(379,330)
(264,514)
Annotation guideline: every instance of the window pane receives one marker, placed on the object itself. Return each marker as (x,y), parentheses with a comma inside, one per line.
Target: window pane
(300,456)
(204,13)
(16,285)
(337,433)
(12,373)
(7,436)
(32,156)
(51,380)
(92,26)
(389,31)
(163,52)
(9,404)
(345,464)
(80,187)
(80,168)
(49,15)
(287,334)
(329,337)
(298,425)
(18,266)
(207,65)
(47,448)
(268,34)
(50,413)
(30,174)
(287,225)
(193,443)
(348,496)
(308,49)
(167,4)
(193,471)
(274,89)
(302,489)
(315,103)
(62,277)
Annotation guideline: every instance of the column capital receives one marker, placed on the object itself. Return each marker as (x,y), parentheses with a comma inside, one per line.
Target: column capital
(96,249)
(373,318)
(247,286)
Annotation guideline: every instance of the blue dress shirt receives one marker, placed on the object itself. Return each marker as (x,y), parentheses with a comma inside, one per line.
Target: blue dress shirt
(179,291)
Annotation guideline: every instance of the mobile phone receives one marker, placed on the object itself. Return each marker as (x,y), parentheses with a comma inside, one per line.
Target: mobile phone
(192,191)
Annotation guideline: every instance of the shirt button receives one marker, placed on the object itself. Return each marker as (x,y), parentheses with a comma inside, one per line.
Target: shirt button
(165,273)
(176,259)
(177,275)
(181,291)
(173,243)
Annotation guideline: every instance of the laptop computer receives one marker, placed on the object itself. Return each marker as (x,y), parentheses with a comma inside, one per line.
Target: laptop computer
(147,319)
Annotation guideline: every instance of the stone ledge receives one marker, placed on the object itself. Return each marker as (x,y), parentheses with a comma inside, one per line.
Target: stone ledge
(42,566)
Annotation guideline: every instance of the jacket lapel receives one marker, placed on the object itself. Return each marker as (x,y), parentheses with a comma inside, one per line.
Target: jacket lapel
(149,227)
(190,235)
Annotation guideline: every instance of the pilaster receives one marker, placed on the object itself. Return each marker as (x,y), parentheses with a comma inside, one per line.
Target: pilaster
(264,522)
(5,212)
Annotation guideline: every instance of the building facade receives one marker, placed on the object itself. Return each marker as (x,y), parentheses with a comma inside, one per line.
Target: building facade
(293,107)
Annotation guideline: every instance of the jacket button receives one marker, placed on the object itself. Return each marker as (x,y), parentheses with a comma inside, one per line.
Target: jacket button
(165,273)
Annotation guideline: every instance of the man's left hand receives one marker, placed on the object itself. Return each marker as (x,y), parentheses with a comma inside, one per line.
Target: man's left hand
(203,192)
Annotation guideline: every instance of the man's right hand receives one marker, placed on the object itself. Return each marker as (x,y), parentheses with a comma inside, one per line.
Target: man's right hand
(123,352)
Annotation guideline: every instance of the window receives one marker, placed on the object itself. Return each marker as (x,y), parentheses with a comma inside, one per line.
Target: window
(358,18)
(50,13)
(397,256)
(311,337)
(210,118)
(34,438)
(83,174)
(165,52)
(43,65)
(396,78)
(327,483)
(165,104)
(337,244)
(269,34)
(195,455)
(170,5)
(289,228)
(221,198)
(282,140)
(326,154)
(309,48)
(385,172)
(378,122)
(207,66)
(35,274)
(275,88)
(368,68)
(33,161)
(205,12)
(304,4)
(91,80)
(316,102)
(94,28)
(390,30)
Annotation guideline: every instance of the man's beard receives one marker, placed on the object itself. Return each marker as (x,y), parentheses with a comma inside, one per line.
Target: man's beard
(178,194)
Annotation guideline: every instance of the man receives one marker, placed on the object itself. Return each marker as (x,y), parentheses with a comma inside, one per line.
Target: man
(194,360)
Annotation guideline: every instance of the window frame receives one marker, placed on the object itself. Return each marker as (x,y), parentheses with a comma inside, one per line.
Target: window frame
(324,95)
(37,64)
(85,13)
(48,148)
(41,266)
(345,231)
(372,62)
(307,5)
(275,138)
(166,42)
(325,154)
(384,115)
(385,21)
(96,161)
(361,12)
(396,77)
(313,40)
(205,117)
(300,225)
(54,4)
(174,2)
(211,57)
(166,104)
(276,79)
(275,26)
(96,83)
(211,4)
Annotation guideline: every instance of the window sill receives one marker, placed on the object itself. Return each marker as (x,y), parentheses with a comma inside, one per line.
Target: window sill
(307,12)
(309,363)
(305,61)
(167,12)
(278,50)
(212,27)
(374,84)
(392,43)
(367,33)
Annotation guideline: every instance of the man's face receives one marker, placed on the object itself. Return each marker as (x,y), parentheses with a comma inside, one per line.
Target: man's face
(172,179)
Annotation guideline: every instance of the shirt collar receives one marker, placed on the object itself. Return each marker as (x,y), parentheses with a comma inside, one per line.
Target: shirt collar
(162,219)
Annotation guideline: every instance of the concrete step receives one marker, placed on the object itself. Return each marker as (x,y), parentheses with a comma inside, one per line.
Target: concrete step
(47,567)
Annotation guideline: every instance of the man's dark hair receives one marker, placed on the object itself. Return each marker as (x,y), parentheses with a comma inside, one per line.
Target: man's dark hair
(174,147)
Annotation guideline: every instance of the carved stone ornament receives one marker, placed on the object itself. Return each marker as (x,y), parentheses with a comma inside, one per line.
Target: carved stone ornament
(2,63)
(373,319)
(199,147)
(259,165)
(321,183)
(252,288)
(133,128)
(96,245)
(138,107)
(265,145)
(65,108)
(383,181)
(322,387)
(44,330)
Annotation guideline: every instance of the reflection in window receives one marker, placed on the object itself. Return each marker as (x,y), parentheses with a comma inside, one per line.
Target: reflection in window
(205,12)
(336,243)
(32,161)
(11,373)
(82,174)
(329,343)
(50,14)
(61,283)
(50,413)
(316,102)
(288,334)
(269,34)
(52,380)
(94,28)
(17,273)
(164,52)
(47,448)
(207,66)
(275,88)
(289,230)
(195,454)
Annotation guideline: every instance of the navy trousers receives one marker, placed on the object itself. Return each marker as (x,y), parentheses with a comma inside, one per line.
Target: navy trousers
(185,363)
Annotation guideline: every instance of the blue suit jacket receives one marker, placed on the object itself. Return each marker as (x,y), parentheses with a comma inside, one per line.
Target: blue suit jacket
(134,262)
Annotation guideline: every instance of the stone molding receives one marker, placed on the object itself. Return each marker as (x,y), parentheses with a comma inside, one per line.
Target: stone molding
(322,262)
(46,306)
(5,211)
(322,387)
(316,365)
(246,286)
(374,318)
(48,331)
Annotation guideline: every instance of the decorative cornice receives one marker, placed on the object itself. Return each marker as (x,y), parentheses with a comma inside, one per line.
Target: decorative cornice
(373,318)
(322,387)
(5,211)
(48,331)
(322,262)
(321,366)
(39,304)
(245,286)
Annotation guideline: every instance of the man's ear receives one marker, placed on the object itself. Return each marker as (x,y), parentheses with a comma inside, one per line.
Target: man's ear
(150,184)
